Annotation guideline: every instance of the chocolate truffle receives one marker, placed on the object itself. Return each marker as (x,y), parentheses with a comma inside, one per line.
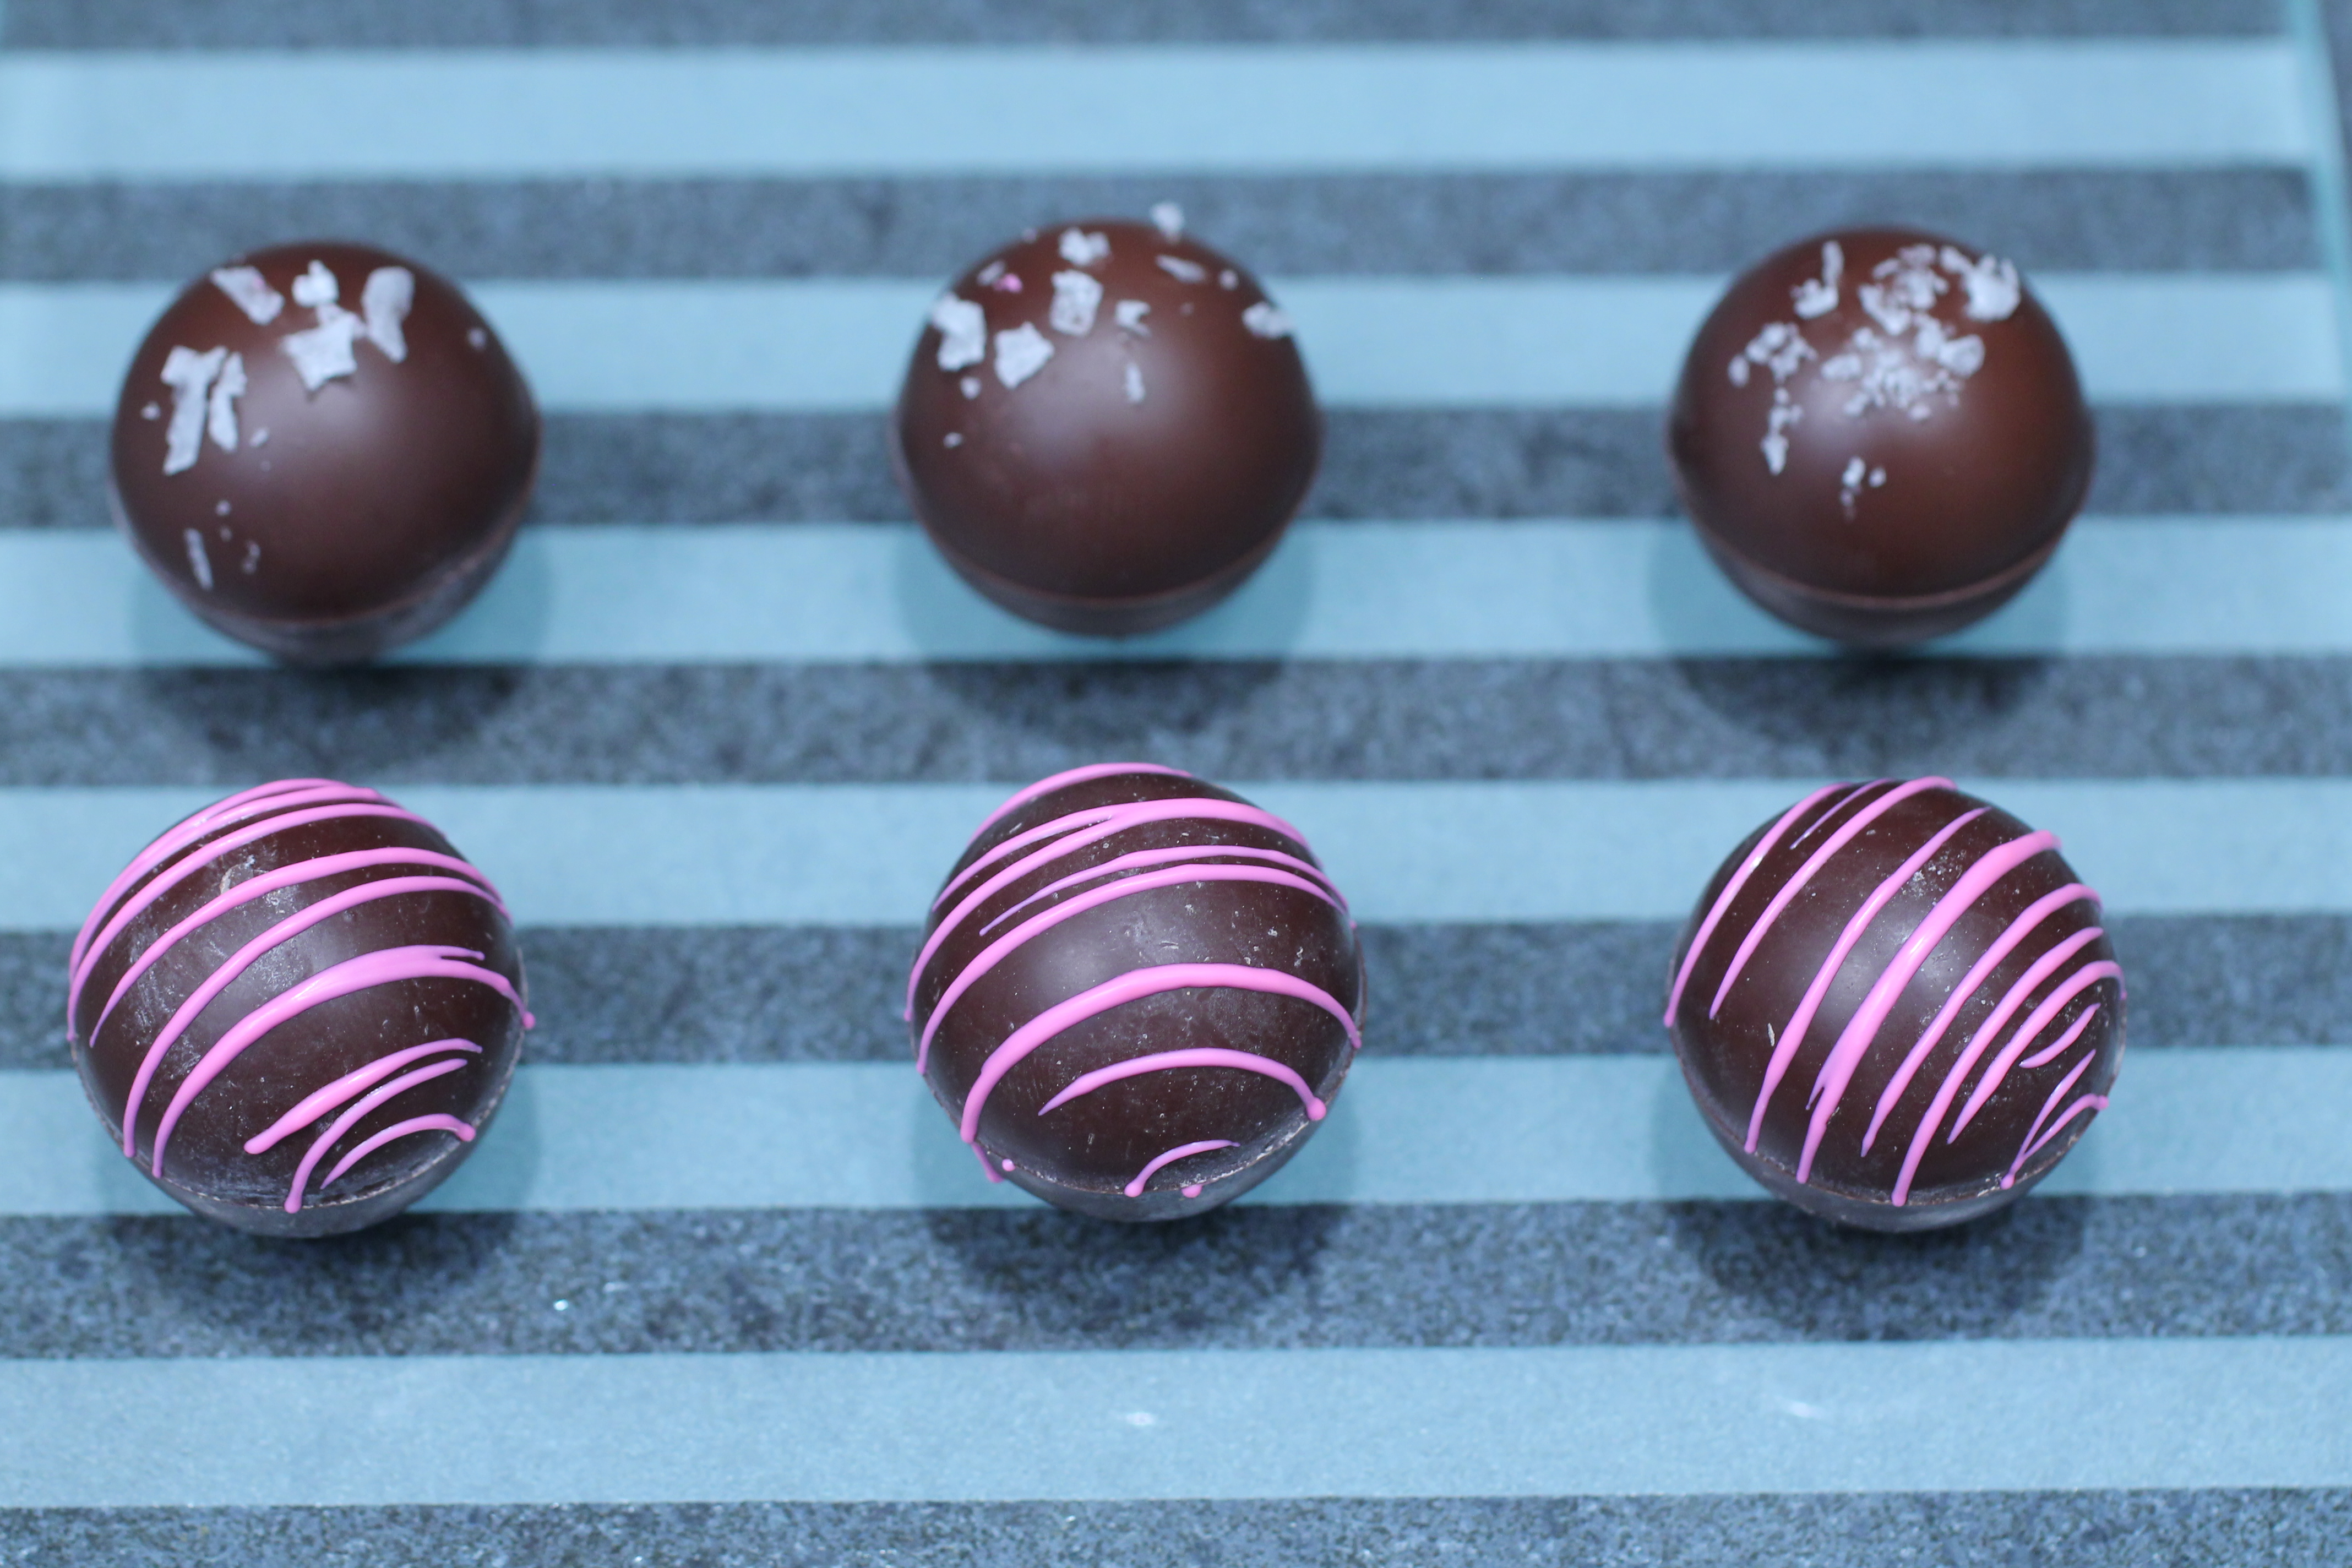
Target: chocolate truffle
(296,1010)
(1879,435)
(324,450)
(1105,427)
(1137,994)
(1894,1005)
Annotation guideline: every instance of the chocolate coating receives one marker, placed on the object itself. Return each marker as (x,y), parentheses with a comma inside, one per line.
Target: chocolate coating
(1137,993)
(1894,1005)
(322,522)
(307,1003)
(1106,428)
(1879,435)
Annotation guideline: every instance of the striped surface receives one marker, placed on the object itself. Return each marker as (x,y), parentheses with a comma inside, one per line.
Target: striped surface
(1512,1304)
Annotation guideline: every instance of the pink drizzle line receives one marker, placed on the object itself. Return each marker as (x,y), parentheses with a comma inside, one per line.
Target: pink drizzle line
(1826,818)
(1082,828)
(1130,987)
(1796,884)
(350,1119)
(1142,857)
(436,1124)
(343,1088)
(1861,1030)
(1731,890)
(2088,1102)
(386,967)
(1022,797)
(2082,980)
(244,959)
(1019,936)
(1135,1187)
(1793,1035)
(1194,1056)
(2024,926)
(2043,967)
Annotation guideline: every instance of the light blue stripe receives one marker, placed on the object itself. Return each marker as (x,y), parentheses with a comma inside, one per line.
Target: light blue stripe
(2018,1415)
(835,345)
(1464,1129)
(819,593)
(872,854)
(681,113)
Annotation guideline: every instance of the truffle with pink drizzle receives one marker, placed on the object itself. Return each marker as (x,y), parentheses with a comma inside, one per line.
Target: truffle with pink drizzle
(297,1010)
(1896,1005)
(1137,993)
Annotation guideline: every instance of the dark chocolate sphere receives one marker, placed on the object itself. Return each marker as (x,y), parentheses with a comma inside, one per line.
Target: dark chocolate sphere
(1879,435)
(1894,1005)
(1137,993)
(295,1010)
(324,450)
(1106,427)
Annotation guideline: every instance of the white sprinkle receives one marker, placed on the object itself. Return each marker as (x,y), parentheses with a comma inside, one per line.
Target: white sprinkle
(324,353)
(963,331)
(476,338)
(1781,349)
(1877,478)
(1168,218)
(252,557)
(1129,314)
(952,438)
(1228,278)
(1776,451)
(1021,353)
(1182,270)
(1994,291)
(990,274)
(188,373)
(152,411)
(1819,296)
(220,408)
(1134,383)
(1077,297)
(970,386)
(220,508)
(1265,321)
(1081,249)
(1740,371)
(224,528)
(317,287)
(1855,470)
(198,561)
(251,293)
(384,300)
(259,437)
(1775,445)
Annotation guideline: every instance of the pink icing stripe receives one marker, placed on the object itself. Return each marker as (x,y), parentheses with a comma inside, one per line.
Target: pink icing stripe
(239,962)
(2082,980)
(1195,1057)
(1082,828)
(385,968)
(245,892)
(2088,1102)
(350,1119)
(343,1088)
(1131,988)
(2024,926)
(2048,963)
(1181,1151)
(1793,1035)
(1820,857)
(1861,1030)
(2026,1144)
(1731,890)
(403,1130)
(995,952)
(186,831)
(210,852)
(1826,818)
(1022,797)
(2043,1058)
(1143,811)
(1143,858)
(985,1168)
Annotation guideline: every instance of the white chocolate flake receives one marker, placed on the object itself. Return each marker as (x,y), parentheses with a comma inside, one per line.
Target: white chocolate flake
(963,331)
(1021,353)
(189,374)
(250,292)
(317,287)
(1077,299)
(220,407)
(1265,321)
(1129,314)
(198,561)
(1134,383)
(324,352)
(1181,270)
(384,302)
(1168,218)
(1082,249)
(1819,296)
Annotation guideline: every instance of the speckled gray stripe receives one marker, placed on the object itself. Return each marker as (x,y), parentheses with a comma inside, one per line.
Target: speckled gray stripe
(2106,717)
(2246,1528)
(1245,1277)
(305,24)
(1480,463)
(2238,219)
(817,995)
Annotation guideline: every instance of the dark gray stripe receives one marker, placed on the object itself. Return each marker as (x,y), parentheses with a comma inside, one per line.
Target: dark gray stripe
(739,994)
(1405,463)
(2248,1528)
(2250,219)
(2108,717)
(1248,1277)
(394,24)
